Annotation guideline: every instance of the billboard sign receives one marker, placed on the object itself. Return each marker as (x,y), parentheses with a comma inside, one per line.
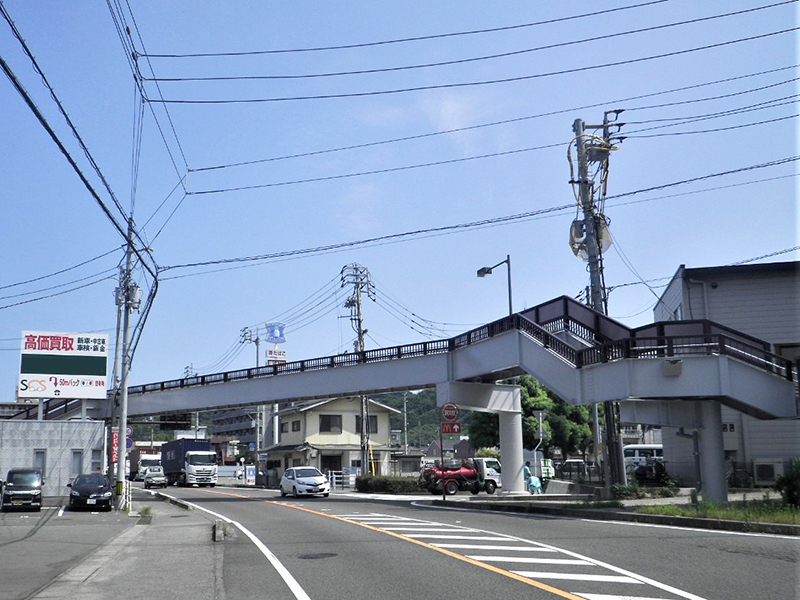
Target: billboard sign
(63,365)
(276,357)
(275,333)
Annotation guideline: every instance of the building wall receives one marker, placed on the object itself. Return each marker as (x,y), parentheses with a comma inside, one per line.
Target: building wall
(19,440)
(762,301)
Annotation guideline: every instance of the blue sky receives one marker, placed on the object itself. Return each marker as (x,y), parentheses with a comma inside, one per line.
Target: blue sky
(556,67)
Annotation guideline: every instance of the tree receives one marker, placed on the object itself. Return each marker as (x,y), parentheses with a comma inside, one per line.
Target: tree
(566,427)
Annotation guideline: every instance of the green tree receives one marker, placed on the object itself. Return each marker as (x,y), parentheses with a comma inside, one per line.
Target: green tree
(566,427)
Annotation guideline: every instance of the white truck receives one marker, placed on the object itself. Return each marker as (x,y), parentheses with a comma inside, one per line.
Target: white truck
(189,462)
(147,460)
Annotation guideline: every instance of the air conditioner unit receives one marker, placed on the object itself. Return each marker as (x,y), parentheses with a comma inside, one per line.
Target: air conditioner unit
(767,470)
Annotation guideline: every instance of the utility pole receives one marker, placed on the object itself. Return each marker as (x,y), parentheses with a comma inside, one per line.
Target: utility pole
(247,336)
(132,301)
(358,276)
(587,239)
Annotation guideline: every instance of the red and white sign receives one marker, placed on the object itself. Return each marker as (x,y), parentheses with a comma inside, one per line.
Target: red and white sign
(115,445)
(451,428)
(449,412)
(276,357)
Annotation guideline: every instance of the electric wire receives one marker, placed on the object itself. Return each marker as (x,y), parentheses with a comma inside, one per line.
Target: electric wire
(60,272)
(529,117)
(53,295)
(408,39)
(634,134)
(465,84)
(61,285)
(597,38)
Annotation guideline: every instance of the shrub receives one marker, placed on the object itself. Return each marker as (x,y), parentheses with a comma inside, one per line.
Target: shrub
(627,492)
(788,484)
(386,485)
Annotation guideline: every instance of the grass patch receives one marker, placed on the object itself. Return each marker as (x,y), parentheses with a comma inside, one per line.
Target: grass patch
(147,510)
(601,504)
(748,512)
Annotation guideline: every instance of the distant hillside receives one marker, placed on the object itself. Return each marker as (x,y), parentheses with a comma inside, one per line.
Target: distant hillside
(422,413)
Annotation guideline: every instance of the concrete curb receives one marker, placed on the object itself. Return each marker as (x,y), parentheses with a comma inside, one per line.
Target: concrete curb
(614,515)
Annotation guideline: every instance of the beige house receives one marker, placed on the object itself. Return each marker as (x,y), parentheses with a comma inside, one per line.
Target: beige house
(327,434)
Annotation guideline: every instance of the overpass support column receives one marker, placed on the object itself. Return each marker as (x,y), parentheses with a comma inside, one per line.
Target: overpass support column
(504,400)
(511,452)
(712,453)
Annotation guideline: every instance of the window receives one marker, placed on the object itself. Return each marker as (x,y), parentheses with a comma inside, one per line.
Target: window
(40,460)
(355,463)
(295,425)
(284,428)
(76,467)
(330,423)
(97,460)
(373,424)
(296,462)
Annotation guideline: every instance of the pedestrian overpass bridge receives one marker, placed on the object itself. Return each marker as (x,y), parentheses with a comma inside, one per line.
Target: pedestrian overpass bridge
(675,373)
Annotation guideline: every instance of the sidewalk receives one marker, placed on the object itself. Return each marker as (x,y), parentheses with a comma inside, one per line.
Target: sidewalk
(146,560)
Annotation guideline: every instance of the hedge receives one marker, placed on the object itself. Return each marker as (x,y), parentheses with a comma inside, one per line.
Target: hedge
(387,485)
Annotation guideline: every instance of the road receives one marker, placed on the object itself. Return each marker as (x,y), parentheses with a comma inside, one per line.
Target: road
(349,547)
(354,546)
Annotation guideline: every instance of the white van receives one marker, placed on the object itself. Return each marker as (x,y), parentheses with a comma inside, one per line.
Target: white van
(638,454)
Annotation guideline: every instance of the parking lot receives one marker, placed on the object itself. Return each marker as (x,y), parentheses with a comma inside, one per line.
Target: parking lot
(37,546)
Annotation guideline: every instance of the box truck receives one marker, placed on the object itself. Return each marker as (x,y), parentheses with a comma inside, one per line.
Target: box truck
(189,462)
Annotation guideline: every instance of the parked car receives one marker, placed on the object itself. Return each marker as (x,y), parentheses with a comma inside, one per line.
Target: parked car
(305,481)
(154,477)
(91,491)
(22,488)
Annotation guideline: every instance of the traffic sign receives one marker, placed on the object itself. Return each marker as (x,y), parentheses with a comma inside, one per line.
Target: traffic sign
(129,431)
(128,443)
(451,428)
(449,412)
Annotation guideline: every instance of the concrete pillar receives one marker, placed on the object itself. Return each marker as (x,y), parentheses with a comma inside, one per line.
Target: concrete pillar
(511,452)
(712,453)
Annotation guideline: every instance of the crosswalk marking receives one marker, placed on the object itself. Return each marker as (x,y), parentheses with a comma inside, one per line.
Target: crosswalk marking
(529,560)
(490,547)
(511,551)
(578,577)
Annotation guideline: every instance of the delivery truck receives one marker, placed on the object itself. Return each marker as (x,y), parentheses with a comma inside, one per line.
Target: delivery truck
(189,462)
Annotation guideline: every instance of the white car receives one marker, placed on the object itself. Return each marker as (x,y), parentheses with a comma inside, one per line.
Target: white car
(305,481)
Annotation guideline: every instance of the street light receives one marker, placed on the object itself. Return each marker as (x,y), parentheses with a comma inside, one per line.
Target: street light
(484,271)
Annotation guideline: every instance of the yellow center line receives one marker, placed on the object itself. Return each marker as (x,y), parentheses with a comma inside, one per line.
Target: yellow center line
(461,557)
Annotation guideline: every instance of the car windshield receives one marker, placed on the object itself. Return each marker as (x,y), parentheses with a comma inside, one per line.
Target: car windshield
(310,472)
(91,480)
(202,459)
(24,478)
(155,471)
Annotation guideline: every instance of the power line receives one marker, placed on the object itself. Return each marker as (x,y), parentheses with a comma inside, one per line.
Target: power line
(463,60)
(86,262)
(405,40)
(530,117)
(393,238)
(478,83)
(80,287)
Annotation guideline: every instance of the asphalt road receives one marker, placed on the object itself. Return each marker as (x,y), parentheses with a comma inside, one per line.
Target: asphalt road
(352,546)
(348,547)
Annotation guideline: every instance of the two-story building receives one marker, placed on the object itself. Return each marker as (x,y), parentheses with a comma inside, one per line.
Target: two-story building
(327,434)
(760,300)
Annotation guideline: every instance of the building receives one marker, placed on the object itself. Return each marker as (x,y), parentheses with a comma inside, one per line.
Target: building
(762,301)
(62,449)
(326,434)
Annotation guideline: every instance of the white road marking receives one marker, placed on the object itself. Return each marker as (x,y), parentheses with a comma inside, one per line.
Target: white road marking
(488,547)
(529,560)
(477,538)
(578,577)
(287,577)
(612,597)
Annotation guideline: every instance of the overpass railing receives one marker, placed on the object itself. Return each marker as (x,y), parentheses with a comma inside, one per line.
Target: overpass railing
(551,325)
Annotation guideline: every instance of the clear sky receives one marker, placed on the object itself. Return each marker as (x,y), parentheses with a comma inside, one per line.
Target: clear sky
(447,129)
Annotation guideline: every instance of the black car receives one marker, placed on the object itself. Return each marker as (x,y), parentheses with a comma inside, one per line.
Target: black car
(22,488)
(91,491)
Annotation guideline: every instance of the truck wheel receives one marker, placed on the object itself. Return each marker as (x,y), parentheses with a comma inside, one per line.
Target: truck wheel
(450,488)
(475,489)
(490,487)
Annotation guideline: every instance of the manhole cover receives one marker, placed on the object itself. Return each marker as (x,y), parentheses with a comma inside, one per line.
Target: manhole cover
(317,556)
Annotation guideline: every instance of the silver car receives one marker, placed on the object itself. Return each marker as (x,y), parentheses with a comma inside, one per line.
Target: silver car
(154,477)
(305,481)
